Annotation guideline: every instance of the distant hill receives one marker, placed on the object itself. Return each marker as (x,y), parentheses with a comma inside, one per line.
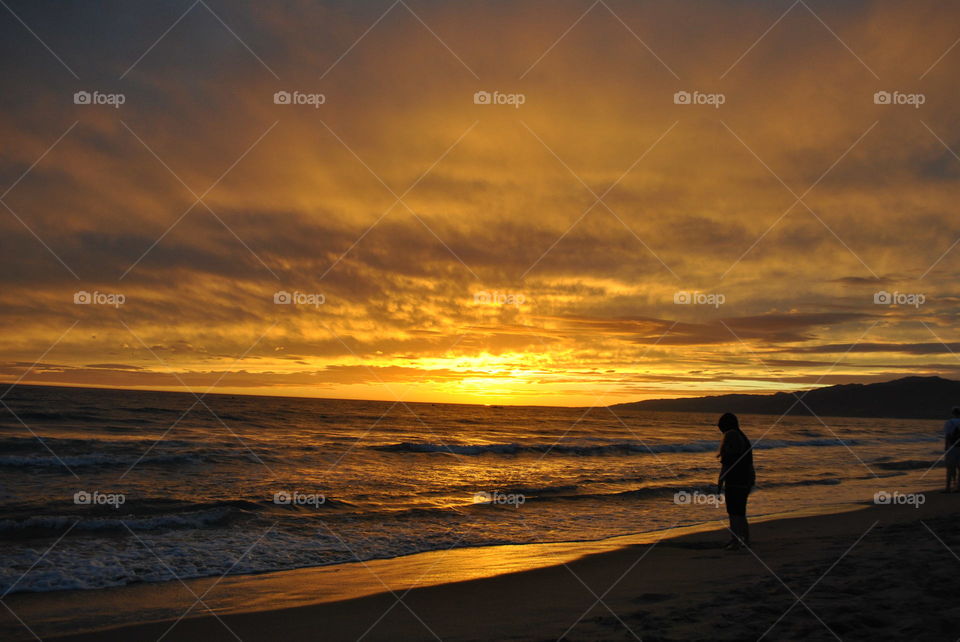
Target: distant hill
(907,398)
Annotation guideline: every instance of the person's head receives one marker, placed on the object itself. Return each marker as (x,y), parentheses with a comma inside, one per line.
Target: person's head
(956,411)
(728,421)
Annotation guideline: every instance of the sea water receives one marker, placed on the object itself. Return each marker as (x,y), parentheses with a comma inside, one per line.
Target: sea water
(106,488)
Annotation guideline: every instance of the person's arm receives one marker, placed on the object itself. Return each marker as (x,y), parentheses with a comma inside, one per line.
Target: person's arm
(753,470)
(723,463)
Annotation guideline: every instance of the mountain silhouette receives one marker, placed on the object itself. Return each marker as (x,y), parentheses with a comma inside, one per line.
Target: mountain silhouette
(907,398)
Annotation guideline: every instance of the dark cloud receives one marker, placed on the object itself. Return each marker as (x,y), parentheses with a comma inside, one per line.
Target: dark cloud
(907,348)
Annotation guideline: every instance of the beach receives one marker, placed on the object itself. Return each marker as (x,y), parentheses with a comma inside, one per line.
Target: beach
(479,320)
(301,483)
(874,571)
(500,524)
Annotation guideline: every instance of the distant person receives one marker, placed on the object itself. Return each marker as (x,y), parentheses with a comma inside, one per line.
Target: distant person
(737,477)
(951,447)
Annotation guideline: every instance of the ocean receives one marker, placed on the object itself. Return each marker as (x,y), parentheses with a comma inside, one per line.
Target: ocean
(131,486)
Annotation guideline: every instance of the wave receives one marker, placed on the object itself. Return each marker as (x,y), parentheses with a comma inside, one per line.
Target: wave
(570,492)
(50,525)
(905,464)
(647,491)
(154,410)
(515,448)
(93,459)
(619,448)
(543,490)
(558,492)
(80,453)
(143,515)
(60,443)
(47,415)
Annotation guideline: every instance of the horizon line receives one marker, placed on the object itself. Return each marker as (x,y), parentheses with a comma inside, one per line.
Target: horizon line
(15,384)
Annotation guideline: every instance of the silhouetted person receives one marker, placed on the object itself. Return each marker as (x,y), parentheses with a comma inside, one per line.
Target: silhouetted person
(951,447)
(737,477)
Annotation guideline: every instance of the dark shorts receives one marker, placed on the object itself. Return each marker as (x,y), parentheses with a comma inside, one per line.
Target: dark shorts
(735,497)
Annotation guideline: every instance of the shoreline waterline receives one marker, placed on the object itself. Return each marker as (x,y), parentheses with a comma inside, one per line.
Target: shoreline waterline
(73,612)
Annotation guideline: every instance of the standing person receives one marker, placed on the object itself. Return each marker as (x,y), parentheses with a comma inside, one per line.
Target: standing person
(737,477)
(951,447)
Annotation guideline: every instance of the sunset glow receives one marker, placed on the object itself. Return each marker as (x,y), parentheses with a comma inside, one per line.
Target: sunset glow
(439,247)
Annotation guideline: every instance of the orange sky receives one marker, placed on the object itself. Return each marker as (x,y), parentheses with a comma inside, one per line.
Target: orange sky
(443,250)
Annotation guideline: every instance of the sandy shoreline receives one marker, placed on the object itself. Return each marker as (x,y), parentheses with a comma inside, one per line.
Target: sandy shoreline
(877,572)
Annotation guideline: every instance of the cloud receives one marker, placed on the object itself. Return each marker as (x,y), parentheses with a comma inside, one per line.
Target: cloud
(399,198)
(907,348)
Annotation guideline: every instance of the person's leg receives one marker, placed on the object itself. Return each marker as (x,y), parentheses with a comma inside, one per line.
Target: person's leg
(729,500)
(746,525)
(740,529)
(736,499)
(735,541)
(745,530)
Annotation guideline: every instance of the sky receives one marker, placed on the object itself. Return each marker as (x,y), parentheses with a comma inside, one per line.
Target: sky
(551,203)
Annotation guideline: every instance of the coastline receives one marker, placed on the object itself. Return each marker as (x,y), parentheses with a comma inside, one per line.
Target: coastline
(533,588)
